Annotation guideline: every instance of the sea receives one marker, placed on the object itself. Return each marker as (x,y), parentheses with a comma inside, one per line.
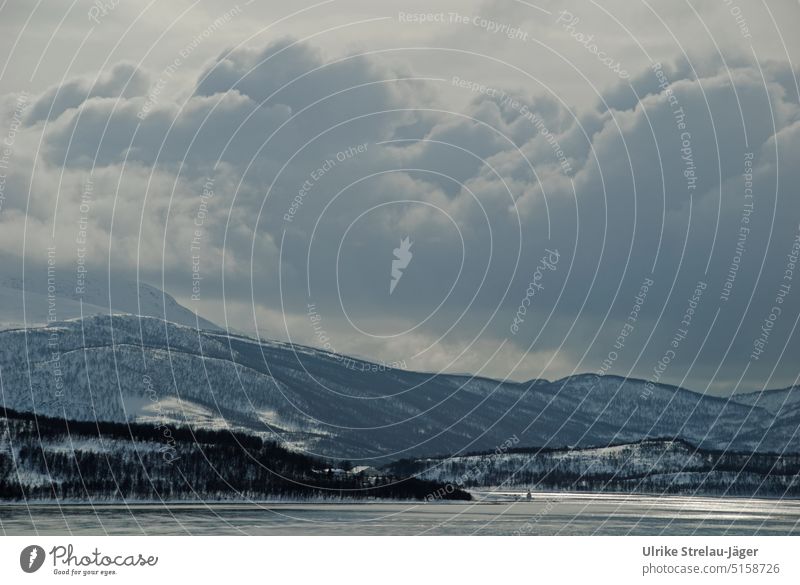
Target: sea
(491,513)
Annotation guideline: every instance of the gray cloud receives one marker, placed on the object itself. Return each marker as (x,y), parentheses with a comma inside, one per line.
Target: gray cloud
(482,184)
(123,81)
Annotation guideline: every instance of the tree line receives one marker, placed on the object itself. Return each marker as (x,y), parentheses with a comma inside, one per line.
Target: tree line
(52,458)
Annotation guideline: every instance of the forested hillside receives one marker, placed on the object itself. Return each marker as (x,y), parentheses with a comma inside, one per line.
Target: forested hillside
(653,466)
(49,458)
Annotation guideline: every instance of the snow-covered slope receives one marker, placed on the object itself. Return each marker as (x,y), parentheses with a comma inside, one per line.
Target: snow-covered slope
(29,303)
(144,369)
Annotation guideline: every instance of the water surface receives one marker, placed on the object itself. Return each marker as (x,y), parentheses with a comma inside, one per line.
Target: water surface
(492,514)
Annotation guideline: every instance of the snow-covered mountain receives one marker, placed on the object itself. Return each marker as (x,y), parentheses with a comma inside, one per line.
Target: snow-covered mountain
(130,368)
(94,296)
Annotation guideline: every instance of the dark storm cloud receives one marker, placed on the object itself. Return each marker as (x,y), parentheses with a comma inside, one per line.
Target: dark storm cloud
(483,191)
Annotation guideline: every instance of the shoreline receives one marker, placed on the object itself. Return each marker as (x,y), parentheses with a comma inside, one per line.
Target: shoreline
(482,497)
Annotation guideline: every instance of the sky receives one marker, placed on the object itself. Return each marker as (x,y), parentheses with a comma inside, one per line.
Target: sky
(514,189)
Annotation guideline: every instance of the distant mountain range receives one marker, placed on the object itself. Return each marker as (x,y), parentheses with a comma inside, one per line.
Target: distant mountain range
(147,370)
(174,407)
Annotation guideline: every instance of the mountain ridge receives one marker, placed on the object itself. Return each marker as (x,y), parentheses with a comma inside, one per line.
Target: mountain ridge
(310,400)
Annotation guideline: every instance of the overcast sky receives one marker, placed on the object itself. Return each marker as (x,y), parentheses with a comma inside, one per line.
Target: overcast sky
(585,186)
